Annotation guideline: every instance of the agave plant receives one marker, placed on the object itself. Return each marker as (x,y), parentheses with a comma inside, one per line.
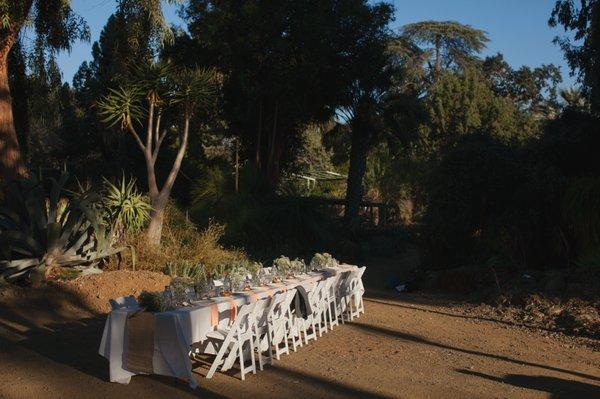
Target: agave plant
(40,231)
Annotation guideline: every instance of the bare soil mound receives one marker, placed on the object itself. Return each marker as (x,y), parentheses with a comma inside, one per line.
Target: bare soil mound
(94,291)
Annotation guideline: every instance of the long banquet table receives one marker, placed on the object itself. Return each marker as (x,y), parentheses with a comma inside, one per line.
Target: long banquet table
(177,330)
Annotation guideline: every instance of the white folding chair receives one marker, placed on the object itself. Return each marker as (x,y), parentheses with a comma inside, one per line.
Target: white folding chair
(294,327)
(278,324)
(309,325)
(124,302)
(331,300)
(352,295)
(320,306)
(360,290)
(260,329)
(231,341)
(343,290)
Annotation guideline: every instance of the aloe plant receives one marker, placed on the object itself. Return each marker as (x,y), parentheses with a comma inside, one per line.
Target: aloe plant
(41,230)
(127,210)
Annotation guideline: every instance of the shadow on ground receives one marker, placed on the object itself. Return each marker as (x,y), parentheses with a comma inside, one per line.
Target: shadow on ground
(558,388)
(421,340)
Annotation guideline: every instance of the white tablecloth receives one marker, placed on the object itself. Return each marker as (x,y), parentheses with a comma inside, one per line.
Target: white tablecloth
(177,330)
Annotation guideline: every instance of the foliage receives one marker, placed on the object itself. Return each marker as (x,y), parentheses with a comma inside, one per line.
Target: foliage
(185,270)
(152,301)
(454,44)
(463,103)
(286,64)
(264,224)
(471,216)
(582,46)
(54,22)
(532,90)
(574,99)
(581,210)
(322,261)
(125,207)
(546,219)
(41,230)
(183,242)
(286,265)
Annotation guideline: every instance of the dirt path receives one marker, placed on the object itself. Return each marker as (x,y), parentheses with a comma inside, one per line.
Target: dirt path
(399,349)
(409,346)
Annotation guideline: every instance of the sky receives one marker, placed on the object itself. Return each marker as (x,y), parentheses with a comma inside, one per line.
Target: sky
(517,28)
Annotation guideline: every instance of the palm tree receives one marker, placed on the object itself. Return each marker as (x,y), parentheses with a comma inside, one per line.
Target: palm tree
(574,98)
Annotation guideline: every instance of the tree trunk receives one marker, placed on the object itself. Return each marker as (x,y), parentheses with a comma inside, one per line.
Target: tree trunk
(159,202)
(358,166)
(157,218)
(11,162)
(19,95)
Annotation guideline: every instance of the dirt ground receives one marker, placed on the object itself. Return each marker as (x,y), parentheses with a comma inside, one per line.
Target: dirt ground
(409,346)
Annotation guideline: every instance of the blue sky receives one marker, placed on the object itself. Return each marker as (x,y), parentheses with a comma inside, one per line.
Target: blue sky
(517,28)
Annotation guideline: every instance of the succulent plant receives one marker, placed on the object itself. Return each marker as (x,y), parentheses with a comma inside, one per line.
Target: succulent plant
(152,301)
(186,270)
(287,266)
(323,260)
(42,230)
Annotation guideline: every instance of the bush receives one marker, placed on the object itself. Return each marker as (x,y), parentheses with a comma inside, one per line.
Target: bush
(486,200)
(184,243)
(534,205)
(263,223)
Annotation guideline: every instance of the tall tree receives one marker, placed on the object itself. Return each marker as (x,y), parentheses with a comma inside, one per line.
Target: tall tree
(583,49)
(460,103)
(56,26)
(133,35)
(167,100)
(369,76)
(283,64)
(453,44)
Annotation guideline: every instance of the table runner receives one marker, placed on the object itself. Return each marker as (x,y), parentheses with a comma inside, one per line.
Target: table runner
(140,342)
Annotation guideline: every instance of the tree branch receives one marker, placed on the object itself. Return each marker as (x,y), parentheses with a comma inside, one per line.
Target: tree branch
(158,144)
(157,128)
(166,189)
(149,128)
(129,126)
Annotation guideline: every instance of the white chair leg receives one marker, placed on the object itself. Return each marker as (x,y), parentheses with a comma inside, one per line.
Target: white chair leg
(242,367)
(252,358)
(217,361)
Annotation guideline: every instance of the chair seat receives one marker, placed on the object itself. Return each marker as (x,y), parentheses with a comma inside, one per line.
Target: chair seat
(219,334)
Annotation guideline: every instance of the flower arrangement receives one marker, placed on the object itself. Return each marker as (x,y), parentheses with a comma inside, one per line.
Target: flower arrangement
(237,273)
(286,266)
(322,261)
